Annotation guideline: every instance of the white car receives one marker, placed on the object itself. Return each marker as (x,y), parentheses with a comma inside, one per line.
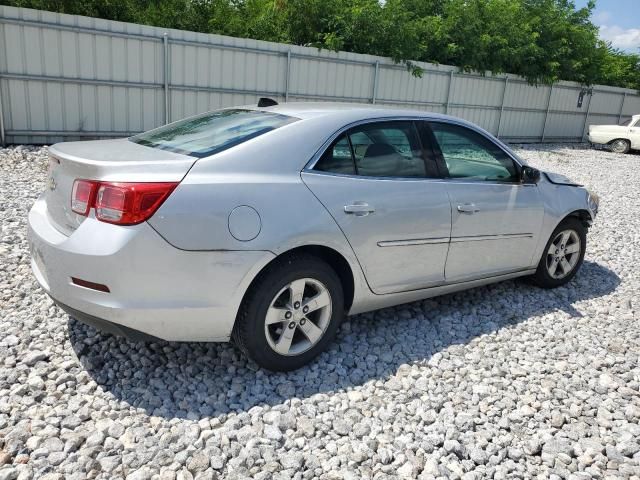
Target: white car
(620,138)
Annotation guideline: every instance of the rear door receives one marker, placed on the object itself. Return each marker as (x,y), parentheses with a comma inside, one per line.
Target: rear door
(378,184)
(496,219)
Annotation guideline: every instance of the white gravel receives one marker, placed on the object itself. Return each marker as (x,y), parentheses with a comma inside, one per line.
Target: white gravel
(507,381)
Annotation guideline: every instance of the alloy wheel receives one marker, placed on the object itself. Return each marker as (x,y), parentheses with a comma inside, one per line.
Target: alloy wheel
(563,254)
(298,316)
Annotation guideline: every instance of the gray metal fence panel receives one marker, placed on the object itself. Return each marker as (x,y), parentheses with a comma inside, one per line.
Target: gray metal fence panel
(631,106)
(66,77)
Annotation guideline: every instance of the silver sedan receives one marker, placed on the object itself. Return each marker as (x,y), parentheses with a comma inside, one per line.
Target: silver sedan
(267,225)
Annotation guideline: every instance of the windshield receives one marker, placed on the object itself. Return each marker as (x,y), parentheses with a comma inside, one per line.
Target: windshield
(212,132)
(626,123)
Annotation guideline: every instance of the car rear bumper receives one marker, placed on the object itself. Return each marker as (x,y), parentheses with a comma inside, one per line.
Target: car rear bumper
(106,326)
(155,289)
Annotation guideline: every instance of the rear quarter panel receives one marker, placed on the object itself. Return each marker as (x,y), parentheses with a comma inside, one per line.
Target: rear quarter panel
(196,218)
(263,175)
(196,215)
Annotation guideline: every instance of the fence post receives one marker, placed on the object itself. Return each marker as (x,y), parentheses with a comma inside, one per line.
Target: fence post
(375,82)
(3,139)
(546,114)
(446,108)
(624,97)
(586,118)
(504,94)
(286,79)
(165,43)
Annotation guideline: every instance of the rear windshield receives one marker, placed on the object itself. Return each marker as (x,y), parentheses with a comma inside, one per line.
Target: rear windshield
(212,132)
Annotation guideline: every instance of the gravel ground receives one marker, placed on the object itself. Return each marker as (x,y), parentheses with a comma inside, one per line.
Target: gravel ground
(505,381)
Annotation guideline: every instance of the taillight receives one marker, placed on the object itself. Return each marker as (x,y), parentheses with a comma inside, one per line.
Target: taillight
(122,203)
(82,196)
(130,203)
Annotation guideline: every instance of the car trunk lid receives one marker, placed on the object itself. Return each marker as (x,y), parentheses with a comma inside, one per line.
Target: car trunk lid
(105,160)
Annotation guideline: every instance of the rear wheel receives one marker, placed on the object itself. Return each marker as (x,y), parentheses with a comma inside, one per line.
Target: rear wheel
(563,254)
(290,313)
(620,146)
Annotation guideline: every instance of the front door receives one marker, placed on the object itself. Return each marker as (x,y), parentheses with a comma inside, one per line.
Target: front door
(496,219)
(377,182)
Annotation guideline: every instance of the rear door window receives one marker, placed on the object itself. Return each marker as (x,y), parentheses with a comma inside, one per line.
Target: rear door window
(212,132)
(389,149)
(337,158)
(381,149)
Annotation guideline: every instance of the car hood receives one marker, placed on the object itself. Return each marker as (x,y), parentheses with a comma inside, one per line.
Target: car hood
(561,179)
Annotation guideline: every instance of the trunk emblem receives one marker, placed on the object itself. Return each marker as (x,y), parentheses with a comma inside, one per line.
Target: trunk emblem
(52,183)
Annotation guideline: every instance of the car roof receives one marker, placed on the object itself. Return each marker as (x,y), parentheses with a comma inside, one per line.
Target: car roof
(319,124)
(355,111)
(343,114)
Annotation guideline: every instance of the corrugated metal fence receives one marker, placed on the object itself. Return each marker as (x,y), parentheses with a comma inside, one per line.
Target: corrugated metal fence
(69,77)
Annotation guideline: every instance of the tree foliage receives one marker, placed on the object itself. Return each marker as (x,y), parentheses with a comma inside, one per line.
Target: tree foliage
(541,40)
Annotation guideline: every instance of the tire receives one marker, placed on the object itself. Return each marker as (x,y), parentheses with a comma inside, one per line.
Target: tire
(270,317)
(620,145)
(551,273)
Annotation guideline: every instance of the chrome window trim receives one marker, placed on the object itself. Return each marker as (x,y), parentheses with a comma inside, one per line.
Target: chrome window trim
(369,177)
(308,168)
(417,179)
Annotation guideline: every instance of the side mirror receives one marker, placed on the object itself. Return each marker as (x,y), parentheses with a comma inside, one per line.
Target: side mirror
(529,175)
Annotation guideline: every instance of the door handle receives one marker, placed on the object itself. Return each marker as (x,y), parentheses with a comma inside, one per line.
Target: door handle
(468,208)
(359,209)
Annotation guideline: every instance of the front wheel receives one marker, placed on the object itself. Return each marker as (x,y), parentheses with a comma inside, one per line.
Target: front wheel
(290,314)
(563,254)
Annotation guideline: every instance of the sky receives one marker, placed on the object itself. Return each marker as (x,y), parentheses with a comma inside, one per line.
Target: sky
(619,22)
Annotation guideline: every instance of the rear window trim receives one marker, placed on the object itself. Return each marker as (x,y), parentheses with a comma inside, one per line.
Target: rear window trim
(215,150)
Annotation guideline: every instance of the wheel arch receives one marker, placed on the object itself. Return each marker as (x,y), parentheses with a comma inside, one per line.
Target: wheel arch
(327,254)
(583,215)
